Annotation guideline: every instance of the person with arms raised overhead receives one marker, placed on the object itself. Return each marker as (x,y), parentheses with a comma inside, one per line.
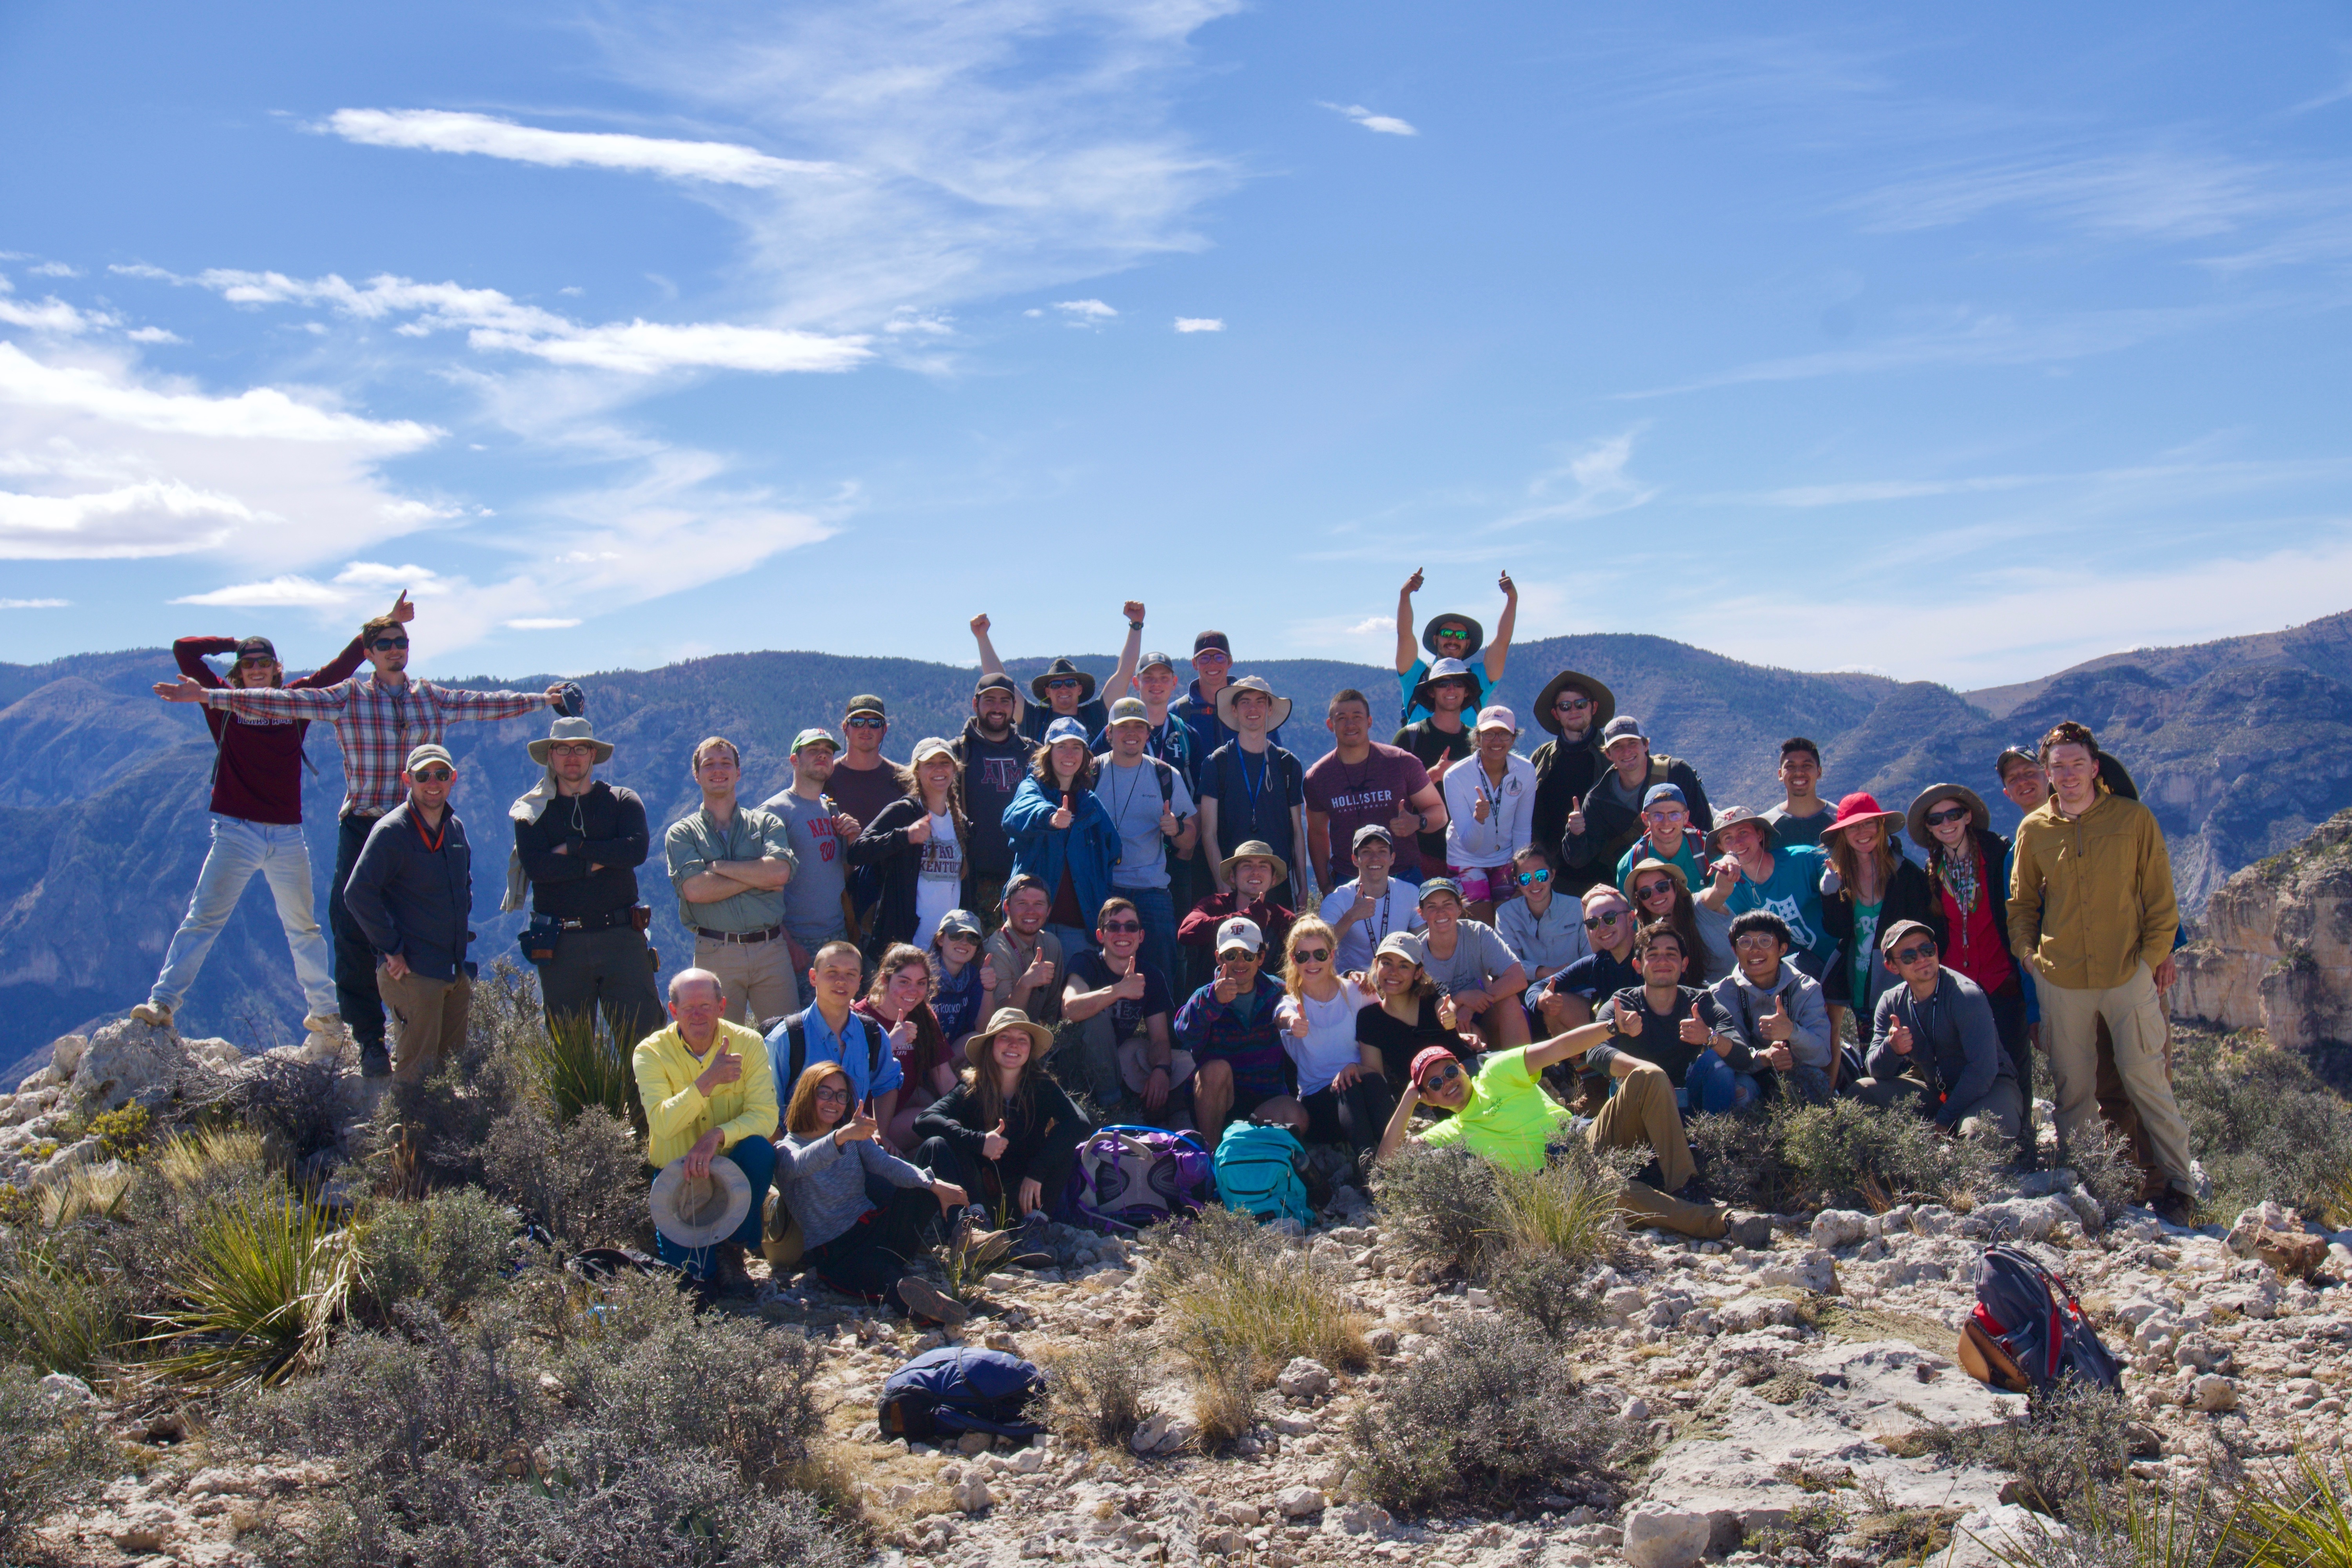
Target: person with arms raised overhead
(1802,814)
(256,807)
(1869,886)
(729,864)
(1063,690)
(411,892)
(379,719)
(1754,871)
(814,822)
(2091,912)
(1152,809)
(917,846)
(1440,737)
(1453,636)
(1486,802)
(1777,1008)
(578,842)
(1575,708)
(995,757)
(1612,816)
(709,1094)
(1363,911)
(1359,781)
(1933,1045)
(1251,789)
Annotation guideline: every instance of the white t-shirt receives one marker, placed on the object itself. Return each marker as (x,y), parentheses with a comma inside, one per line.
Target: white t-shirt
(941,881)
(1330,1042)
(1394,910)
(1506,831)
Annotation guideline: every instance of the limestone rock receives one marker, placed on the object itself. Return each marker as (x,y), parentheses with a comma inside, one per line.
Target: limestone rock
(126,1061)
(1842,1227)
(1660,1535)
(1304,1379)
(1300,1502)
(2214,1393)
(66,1053)
(2022,1219)
(67,1390)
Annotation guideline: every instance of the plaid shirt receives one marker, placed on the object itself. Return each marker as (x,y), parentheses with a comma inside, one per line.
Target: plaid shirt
(377,725)
(1214,1031)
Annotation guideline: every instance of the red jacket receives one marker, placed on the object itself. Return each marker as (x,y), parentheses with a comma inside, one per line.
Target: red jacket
(1199,928)
(258,765)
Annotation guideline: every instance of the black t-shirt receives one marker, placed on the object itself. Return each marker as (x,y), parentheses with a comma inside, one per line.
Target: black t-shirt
(863,793)
(1660,1041)
(1036,718)
(1092,972)
(1430,746)
(1254,792)
(1399,1042)
(1595,976)
(993,772)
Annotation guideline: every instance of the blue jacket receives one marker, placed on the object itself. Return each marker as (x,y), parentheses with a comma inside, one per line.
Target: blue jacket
(1088,847)
(412,898)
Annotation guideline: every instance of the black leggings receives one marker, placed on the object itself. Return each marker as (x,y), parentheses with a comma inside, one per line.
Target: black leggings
(988,1183)
(870,1257)
(1368,1105)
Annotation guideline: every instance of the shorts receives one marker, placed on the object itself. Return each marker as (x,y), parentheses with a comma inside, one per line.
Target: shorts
(1485,884)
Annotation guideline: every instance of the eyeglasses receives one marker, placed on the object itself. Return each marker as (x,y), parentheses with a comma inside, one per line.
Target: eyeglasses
(1311,954)
(1445,1073)
(1594,922)
(1529,879)
(865,722)
(1951,814)
(389,642)
(434,775)
(1122,925)
(1459,632)
(1210,656)
(1666,814)
(833,1097)
(1756,938)
(1915,953)
(1652,889)
(563,749)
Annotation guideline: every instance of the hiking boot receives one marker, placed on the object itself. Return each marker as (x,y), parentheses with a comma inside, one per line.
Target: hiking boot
(155,1014)
(323,1023)
(728,1275)
(1751,1231)
(1031,1260)
(374,1061)
(929,1306)
(2176,1207)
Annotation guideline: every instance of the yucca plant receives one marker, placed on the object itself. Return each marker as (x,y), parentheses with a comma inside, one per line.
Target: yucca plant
(61,1309)
(1568,1208)
(2297,1522)
(188,1159)
(266,1276)
(2133,1526)
(576,1063)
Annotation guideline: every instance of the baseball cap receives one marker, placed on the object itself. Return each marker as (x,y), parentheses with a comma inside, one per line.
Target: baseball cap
(1208,640)
(429,752)
(1498,717)
(1625,727)
(866,702)
(1400,941)
(1019,880)
(999,682)
(1658,792)
(1439,885)
(1429,1057)
(813,738)
(1065,729)
(1892,935)
(1155,661)
(1370,831)
(2000,762)
(959,923)
(246,647)
(1129,710)
(930,746)
(1241,931)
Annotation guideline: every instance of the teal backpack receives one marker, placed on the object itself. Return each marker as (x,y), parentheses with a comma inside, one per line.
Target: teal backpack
(1258,1172)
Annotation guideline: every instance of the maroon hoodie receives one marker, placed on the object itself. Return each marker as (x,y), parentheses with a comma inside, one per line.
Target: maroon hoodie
(257,768)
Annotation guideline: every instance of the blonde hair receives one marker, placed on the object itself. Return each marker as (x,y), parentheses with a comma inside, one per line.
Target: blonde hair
(1305,925)
(800,1111)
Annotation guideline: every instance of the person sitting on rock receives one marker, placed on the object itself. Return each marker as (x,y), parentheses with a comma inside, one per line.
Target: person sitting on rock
(1228,1026)
(709,1094)
(830,1166)
(1006,1133)
(1933,1043)
(1340,1081)
(1777,1008)
(1503,1114)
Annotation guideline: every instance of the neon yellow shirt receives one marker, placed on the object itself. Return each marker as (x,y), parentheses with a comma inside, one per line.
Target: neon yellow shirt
(1509,1119)
(678,1113)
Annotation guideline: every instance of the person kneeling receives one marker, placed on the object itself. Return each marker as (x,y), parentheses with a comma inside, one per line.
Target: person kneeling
(1503,1115)
(1006,1133)
(709,1096)
(1933,1042)
(858,1248)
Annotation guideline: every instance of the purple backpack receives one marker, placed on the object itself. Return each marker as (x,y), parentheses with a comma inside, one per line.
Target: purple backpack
(1129,1177)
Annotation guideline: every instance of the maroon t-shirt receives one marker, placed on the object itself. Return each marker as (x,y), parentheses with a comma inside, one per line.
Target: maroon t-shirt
(258,771)
(1374,790)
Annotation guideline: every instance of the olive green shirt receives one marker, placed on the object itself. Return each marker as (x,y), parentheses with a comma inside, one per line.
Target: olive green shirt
(697,843)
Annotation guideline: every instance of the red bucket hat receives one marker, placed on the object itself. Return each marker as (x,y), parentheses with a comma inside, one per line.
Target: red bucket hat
(1860,806)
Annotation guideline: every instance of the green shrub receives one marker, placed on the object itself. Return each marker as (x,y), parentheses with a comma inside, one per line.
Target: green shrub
(1440,1202)
(1531,1236)
(63,1306)
(2102,1159)
(1490,1416)
(1099,1391)
(1228,1284)
(49,1456)
(122,1134)
(445,1251)
(1846,1152)
(584,1179)
(265,1277)
(2263,1124)
(577,1064)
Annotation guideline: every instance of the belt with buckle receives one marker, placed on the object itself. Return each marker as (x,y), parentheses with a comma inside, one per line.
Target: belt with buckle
(594,923)
(366,813)
(738,938)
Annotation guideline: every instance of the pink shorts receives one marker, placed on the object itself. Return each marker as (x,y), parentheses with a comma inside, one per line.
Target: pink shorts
(1482,884)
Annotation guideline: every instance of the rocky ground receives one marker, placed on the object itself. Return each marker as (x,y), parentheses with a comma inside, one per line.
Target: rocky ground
(1818,1366)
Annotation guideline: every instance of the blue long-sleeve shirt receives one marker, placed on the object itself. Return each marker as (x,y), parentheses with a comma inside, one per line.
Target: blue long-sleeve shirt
(1955,1046)
(1088,848)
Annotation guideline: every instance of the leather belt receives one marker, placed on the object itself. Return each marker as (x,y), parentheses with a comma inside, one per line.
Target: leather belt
(594,923)
(738,938)
(366,813)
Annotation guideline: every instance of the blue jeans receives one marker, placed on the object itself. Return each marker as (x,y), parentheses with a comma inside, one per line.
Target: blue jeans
(1712,1086)
(240,848)
(756,1158)
(1156,909)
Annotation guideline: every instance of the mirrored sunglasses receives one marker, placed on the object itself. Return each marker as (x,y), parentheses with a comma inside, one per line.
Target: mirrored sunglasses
(434,775)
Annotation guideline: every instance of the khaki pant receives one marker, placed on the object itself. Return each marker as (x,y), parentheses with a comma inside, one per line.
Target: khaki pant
(2134,1014)
(757,976)
(428,1016)
(2002,1107)
(1641,1114)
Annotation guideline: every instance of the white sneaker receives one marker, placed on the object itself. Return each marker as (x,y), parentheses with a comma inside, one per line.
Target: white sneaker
(155,1014)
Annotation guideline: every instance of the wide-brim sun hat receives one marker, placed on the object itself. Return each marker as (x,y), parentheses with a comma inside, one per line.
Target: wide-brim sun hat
(1428,632)
(568,731)
(696,1212)
(1063,669)
(1425,693)
(1652,864)
(1277,716)
(1254,849)
(1041,1038)
(1914,821)
(1604,702)
(1860,806)
(1732,816)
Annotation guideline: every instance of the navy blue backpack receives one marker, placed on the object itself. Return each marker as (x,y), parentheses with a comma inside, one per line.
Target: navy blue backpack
(2027,1331)
(957,1389)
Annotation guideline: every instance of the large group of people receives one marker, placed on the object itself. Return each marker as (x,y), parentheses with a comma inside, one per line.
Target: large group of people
(916,988)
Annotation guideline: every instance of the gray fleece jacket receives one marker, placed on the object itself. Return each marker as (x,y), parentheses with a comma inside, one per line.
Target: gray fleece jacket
(1750,1004)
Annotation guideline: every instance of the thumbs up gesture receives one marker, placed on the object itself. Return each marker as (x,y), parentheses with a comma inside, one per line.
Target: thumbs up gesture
(1777,1023)
(919,831)
(724,1069)
(1128,987)
(902,1034)
(1575,815)
(1629,1022)
(992,1144)
(861,1124)
(1170,823)
(1062,815)
(987,976)
(1694,1030)
(1898,1039)
(1727,874)
(1293,1016)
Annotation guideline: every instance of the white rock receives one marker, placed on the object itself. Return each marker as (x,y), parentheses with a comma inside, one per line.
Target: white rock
(1304,1378)
(1842,1227)
(1357,1519)
(66,1053)
(1622,1303)
(2004,1533)
(1298,1502)
(67,1390)
(1660,1535)
(2028,1219)
(2214,1393)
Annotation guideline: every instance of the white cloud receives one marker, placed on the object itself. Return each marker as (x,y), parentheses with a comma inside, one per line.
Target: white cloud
(154,518)
(51,315)
(1085,310)
(34,604)
(154,335)
(436,130)
(1598,481)
(1386,124)
(261,413)
(53,269)
(544,623)
(1200,324)
(278,593)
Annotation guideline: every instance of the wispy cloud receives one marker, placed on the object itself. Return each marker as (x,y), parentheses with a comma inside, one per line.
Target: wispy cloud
(154,335)
(1596,480)
(52,315)
(53,269)
(438,131)
(261,413)
(34,604)
(544,623)
(1386,124)
(273,593)
(1085,310)
(1200,324)
(2155,194)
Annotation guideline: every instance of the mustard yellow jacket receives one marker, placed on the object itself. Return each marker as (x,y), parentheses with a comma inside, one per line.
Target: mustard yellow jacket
(677,1113)
(2090,898)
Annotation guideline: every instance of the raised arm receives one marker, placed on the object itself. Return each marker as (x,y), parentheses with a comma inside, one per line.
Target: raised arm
(1130,652)
(989,663)
(1500,650)
(1408,650)
(189,653)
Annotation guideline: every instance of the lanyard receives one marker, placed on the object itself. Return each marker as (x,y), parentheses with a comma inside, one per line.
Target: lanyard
(1265,771)
(433,843)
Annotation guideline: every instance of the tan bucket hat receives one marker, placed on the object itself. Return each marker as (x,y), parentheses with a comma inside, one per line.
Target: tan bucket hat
(693,1213)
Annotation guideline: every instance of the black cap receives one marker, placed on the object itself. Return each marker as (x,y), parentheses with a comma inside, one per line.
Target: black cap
(999,682)
(866,702)
(247,647)
(1207,640)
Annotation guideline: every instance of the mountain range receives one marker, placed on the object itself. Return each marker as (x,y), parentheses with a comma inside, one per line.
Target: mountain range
(2240,746)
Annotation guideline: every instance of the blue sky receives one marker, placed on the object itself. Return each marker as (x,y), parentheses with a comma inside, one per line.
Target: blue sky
(1955,347)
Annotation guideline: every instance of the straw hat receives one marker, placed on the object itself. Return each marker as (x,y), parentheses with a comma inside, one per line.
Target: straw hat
(1254,849)
(1041,1038)
(694,1213)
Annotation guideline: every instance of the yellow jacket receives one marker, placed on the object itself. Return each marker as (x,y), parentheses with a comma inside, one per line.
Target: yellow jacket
(677,1113)
(2090,898)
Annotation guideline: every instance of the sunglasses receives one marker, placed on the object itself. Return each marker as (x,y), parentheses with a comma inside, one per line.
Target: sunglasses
(1665,814)
(1952,814)
(1061,686)
(434,775)
(1594,922)
(1652,889)
(259,660)
(1529,879)
(1122,925)
(1460,634)
(865,722)
(1311,954)
(1915,953)
(1210,656)
(389,642)
(1566,703)
(1446,1073)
